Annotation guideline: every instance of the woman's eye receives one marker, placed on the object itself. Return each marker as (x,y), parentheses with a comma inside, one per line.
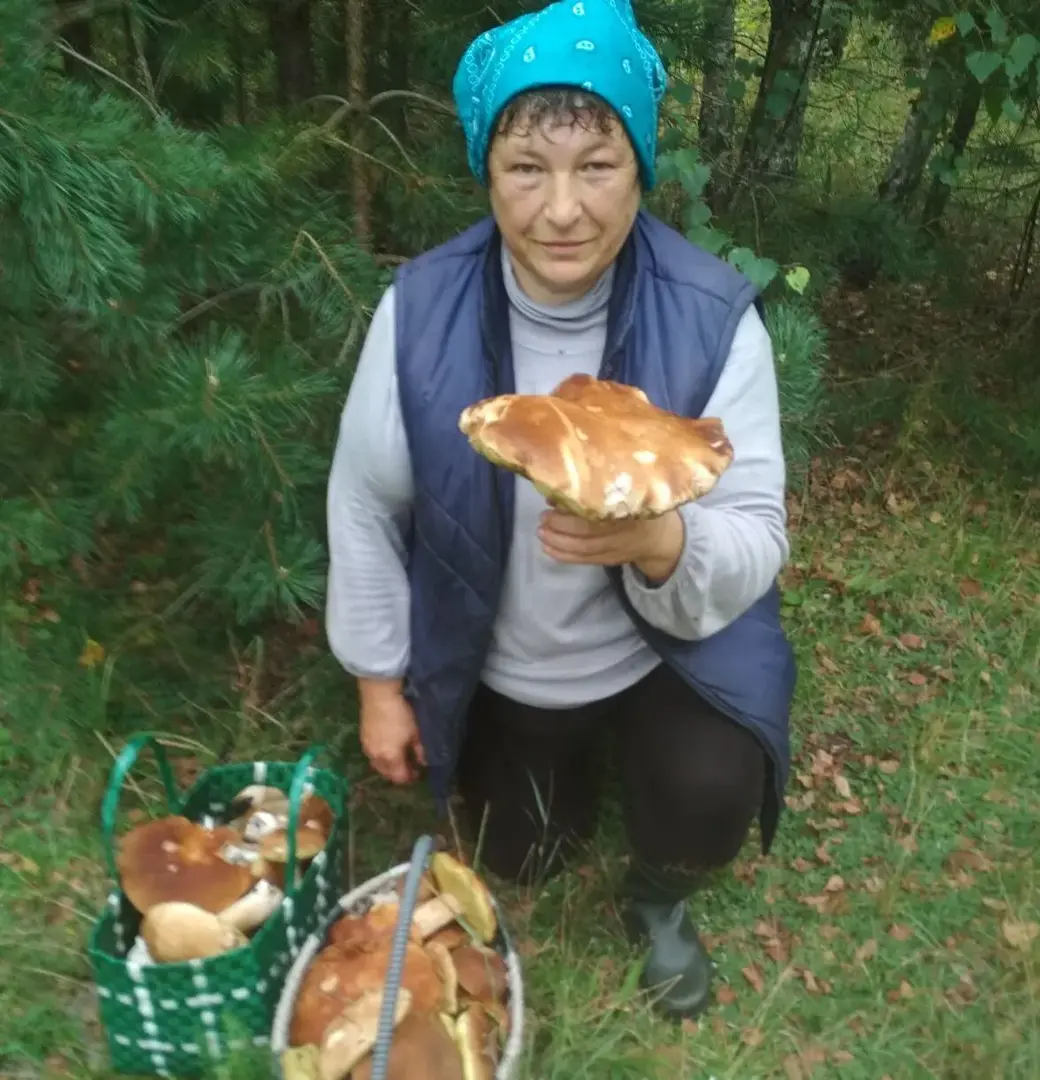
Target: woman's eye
(599,166)
(524,167)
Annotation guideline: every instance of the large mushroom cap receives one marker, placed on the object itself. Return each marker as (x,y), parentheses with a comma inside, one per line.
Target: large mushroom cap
(352,1035)
(422,1050)
(336,978)
(468,892)
(172,858)
(362,933)
(600,449)
(175,932)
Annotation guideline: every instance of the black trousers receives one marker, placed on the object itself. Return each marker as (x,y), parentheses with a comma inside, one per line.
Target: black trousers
(692,780)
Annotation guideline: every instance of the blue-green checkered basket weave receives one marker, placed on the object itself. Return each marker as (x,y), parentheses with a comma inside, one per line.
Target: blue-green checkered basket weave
(178,1019)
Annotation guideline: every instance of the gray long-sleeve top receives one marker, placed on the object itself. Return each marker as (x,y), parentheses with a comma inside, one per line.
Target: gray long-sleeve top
(561,637)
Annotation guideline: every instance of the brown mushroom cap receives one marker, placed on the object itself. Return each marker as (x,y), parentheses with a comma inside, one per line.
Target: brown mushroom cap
(336,978)
(422,1050)
(352,1035)
(362,933)
(477,1042)
(175,932)
(274,847)
(471,895)
(600,449)
(481,974)
(173,859)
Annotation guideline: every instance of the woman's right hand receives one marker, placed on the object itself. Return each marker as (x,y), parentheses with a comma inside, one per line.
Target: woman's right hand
(389,732)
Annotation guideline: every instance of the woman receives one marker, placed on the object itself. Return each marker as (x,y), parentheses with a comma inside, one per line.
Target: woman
(503,645)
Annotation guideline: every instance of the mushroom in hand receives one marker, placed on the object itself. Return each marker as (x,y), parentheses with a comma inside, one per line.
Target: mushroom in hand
(600,449)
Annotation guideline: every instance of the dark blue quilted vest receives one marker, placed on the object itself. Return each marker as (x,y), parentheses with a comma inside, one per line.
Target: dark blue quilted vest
(672,317)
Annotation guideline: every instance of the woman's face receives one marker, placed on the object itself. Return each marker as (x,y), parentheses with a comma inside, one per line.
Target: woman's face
(564,199)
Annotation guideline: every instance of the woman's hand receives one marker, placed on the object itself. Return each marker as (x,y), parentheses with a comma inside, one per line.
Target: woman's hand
(653,545)
(389,732)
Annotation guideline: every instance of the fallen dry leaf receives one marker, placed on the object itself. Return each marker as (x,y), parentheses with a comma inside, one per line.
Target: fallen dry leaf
(900,932)
(970,587)
(834,884)
(871,624)
(843,787)
(867,951)
(689,1026)
(915,678)
(1019,935)
(911,641)
(961,860)
(889,766)
(754,977)
(752,1036)
(726,995)
(903,992)
(842,1057)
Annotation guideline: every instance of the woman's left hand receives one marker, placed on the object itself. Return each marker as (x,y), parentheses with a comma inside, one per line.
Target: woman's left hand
(653,545)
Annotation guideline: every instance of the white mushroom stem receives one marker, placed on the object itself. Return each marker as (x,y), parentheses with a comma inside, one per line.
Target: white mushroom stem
(253,909)
(434,915)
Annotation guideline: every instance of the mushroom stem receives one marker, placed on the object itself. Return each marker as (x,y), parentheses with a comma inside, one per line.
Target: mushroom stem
(253,909)
(434,915)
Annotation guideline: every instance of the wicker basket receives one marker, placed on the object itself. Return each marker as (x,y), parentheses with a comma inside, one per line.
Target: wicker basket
(176,1019)
(357,902)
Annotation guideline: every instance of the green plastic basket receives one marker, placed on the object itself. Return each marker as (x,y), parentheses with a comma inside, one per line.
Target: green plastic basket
(178,1019)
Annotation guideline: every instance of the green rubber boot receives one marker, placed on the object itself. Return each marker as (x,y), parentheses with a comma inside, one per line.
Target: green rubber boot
(677,972)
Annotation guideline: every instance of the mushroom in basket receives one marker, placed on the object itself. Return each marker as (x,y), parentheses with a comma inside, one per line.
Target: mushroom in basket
(201,890)
(600,449)
(453,984)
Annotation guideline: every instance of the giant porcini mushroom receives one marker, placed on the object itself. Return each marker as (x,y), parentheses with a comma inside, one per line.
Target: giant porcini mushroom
(173,859)
(352,1034)
(600,449)
(423,1048)
(336,978)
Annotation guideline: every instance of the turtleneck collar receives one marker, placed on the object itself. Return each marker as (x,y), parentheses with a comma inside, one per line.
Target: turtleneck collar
(575,315)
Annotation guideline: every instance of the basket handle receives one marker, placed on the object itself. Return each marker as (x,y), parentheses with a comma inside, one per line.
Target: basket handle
(296,786)
(110,803)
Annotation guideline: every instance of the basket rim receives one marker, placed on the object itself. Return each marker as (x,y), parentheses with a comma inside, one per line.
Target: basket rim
(279,1041)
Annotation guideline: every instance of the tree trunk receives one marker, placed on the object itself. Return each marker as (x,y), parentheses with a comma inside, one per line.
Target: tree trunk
(361,183)
(715,127)
(963,125)
(923,125)
(793,31)
(290,26)
(75,32)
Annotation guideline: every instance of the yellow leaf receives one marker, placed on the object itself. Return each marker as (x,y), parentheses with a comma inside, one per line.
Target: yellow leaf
(941,30)
(93,653)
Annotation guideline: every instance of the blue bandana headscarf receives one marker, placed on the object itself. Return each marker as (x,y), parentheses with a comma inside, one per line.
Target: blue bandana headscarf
(594,45)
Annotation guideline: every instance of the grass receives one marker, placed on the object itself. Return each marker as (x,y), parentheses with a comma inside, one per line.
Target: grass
(893,931)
